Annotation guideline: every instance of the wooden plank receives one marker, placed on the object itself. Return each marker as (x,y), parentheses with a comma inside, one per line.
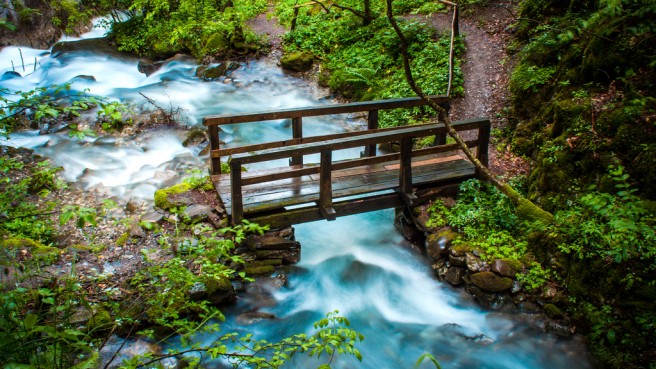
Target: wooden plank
(407,102)
(308,190)
(349,142)
(284,143)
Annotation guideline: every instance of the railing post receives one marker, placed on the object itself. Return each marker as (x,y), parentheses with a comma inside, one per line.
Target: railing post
(326,186)
(215,163)
(297,132)
(405,171)
(456,21)
(440,138)
(372,123)
(235,189)
(483,143)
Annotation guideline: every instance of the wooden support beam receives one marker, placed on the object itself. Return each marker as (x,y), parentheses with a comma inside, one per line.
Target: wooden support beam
(372,123)
(326,186)
(215,162)
(483,143)
(297,134)
(405,170)
(235,185)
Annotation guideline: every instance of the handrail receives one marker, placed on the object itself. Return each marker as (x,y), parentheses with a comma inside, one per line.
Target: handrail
(213,122)
(326,147)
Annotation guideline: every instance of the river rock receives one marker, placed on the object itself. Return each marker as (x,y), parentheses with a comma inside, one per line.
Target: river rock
(460,261)
(454,275)
(152,217)
(84,77)
(137,231)
(491,282)
(195,137)
(212,72)
(436,247)
(197,213)
(215,289)
(474,263)
(504,268)
(10,75)
(559,329)
(92,45)
(297,62)
(148,67)
(254,317)
(116,350)
(274,247)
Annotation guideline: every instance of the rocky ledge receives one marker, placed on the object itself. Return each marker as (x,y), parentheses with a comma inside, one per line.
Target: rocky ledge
(494,283)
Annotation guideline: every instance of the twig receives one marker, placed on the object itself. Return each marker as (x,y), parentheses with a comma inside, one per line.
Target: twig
(20,52)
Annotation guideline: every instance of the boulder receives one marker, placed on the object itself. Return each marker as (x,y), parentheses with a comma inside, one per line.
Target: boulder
(195,137)
(436,246)
(474,263)
(149,67)
(559,329)
(10,75)
(197,213)
(212,72)
(91,45)
(491,282)
(152,217)
(505,268)
(254,317)
(454,275)
(297,62)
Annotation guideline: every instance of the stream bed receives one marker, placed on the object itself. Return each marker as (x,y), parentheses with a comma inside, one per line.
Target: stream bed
(358,265)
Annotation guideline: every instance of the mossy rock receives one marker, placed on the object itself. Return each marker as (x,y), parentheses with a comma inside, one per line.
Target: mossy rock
(163,197)
(491,282)
(297,62)
(263,270)
(43,254)
(101,321)
(553,311)
(123,239)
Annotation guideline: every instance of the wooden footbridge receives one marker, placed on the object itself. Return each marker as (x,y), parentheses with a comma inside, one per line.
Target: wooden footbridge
(303,192)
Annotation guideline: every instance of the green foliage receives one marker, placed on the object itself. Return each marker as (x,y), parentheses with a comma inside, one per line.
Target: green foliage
(363,62)
(530,78)
(55,104)
(198,180)
(162,27)
(535,277)
(19,215)
(332,336)
(37,328)
(605,226)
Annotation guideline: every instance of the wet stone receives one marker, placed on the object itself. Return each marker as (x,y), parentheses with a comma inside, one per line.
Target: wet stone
(454,275)
(474,263)
(503,268)
(152,217)
(460,261)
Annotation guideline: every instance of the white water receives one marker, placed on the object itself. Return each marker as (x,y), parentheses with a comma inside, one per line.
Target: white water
(358,265)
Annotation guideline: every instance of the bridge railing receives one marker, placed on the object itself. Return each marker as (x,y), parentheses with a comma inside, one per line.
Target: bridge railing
(213,123)
(325,145)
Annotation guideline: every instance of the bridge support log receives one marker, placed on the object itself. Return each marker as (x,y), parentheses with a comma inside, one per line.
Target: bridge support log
(235,192)
(326,186)
(405,171)
(297,133)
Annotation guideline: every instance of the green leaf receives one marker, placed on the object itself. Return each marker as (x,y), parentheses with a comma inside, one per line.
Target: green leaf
(30,321)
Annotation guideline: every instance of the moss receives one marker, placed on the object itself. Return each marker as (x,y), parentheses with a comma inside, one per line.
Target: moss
(216,283)
(123,239)
(93,361)
(491,282)
(43,254)
(462,248)
(162,200)
(526,209)
(553,311)
(297,62)
(100,321)
(260,270)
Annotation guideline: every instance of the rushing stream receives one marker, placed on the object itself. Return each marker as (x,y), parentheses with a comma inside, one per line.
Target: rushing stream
(358,265)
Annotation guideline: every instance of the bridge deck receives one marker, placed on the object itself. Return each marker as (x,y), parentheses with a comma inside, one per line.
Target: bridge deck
(429,170)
